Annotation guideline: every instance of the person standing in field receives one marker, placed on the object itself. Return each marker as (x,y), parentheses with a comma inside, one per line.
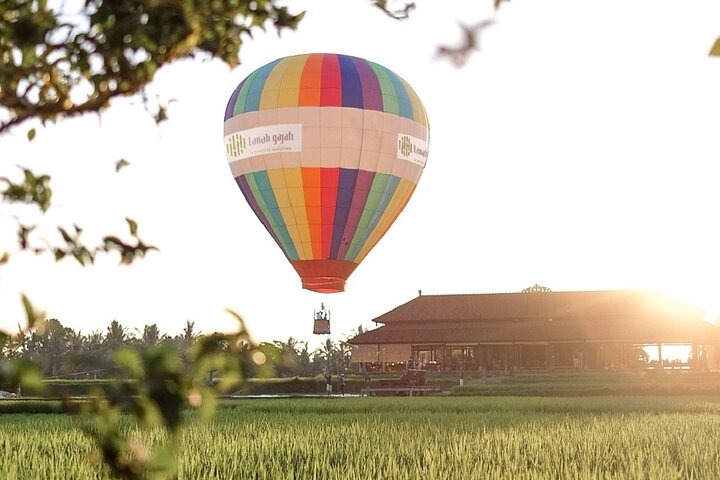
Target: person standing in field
(328,383)
(341,384)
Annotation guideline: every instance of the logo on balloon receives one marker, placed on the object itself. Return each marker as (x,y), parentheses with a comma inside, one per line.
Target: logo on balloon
(235,145)
(412,149)
(263,140)
(404,145)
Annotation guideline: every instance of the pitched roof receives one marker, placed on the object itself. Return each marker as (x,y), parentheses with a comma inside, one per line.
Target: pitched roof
(602,303)
(563,330)
(615,315)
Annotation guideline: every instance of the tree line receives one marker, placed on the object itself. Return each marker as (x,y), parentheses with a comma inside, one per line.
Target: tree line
(62,352)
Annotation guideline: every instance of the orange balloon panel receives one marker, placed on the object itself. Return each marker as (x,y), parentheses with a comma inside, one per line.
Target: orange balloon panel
(327,150)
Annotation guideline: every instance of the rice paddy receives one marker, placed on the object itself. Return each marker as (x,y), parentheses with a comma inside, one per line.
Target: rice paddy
(405,438)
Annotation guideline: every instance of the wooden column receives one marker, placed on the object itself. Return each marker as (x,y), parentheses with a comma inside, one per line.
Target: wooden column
(520,356)
(508,358)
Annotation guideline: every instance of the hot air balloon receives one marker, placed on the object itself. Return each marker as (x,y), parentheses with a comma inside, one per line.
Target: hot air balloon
(327,150)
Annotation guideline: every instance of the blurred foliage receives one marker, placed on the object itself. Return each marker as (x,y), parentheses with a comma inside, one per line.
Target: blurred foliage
(31,190)
(715,49)
(63,354)
(20,372)
(59,61)
(470,42)
(458,54)
(399,12)
(156,378)
(34,190)
(154,389)
(56,62)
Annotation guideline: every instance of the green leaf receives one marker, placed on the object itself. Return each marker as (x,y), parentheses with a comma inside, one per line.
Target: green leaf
(147,411)
(23,373)
(31,314)
(81,256)
(241,329)
(208,404)
(133,226)
(161,115)
(497,3)
(163,460)
(715,50)
(120,164)
(112,241)
(65,235)
(129,359)
(31,134)
(30,378)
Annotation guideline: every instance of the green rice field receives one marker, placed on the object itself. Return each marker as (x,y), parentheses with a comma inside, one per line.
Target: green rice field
(406,438)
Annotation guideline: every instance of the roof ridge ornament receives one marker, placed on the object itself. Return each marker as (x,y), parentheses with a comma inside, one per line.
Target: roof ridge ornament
(536,288)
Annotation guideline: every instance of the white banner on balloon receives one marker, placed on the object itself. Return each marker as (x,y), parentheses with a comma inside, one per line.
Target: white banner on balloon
(412,149)
(263,140)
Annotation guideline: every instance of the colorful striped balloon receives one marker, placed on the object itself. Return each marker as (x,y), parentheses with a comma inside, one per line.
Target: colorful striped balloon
(327,149)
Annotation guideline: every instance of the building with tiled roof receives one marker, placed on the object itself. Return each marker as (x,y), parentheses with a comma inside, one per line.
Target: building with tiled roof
(537,329)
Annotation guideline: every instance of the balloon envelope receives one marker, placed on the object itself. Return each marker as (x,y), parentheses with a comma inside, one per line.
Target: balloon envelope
(327,149)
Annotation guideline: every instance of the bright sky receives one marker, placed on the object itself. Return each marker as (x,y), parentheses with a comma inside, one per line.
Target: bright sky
(578,151)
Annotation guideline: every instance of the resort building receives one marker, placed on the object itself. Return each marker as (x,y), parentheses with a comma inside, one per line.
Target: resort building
(540,329)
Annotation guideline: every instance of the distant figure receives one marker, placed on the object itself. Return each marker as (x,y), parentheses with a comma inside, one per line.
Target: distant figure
(462,378)
(341,384)
(328,383)
(411,364)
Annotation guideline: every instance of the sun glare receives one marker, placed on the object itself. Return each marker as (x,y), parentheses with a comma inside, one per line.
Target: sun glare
(699,297)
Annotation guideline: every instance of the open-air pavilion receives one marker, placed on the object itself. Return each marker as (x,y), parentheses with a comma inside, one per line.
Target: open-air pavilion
(538,329)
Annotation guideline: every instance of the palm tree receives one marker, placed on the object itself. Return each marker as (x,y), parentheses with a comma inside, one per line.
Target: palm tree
(47,346)
(327,353)
(116,335)
(291,361)
(187,340)
(96,354)
(75,342)
(150,336)
(94,340)
(344,352)
(189,337)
